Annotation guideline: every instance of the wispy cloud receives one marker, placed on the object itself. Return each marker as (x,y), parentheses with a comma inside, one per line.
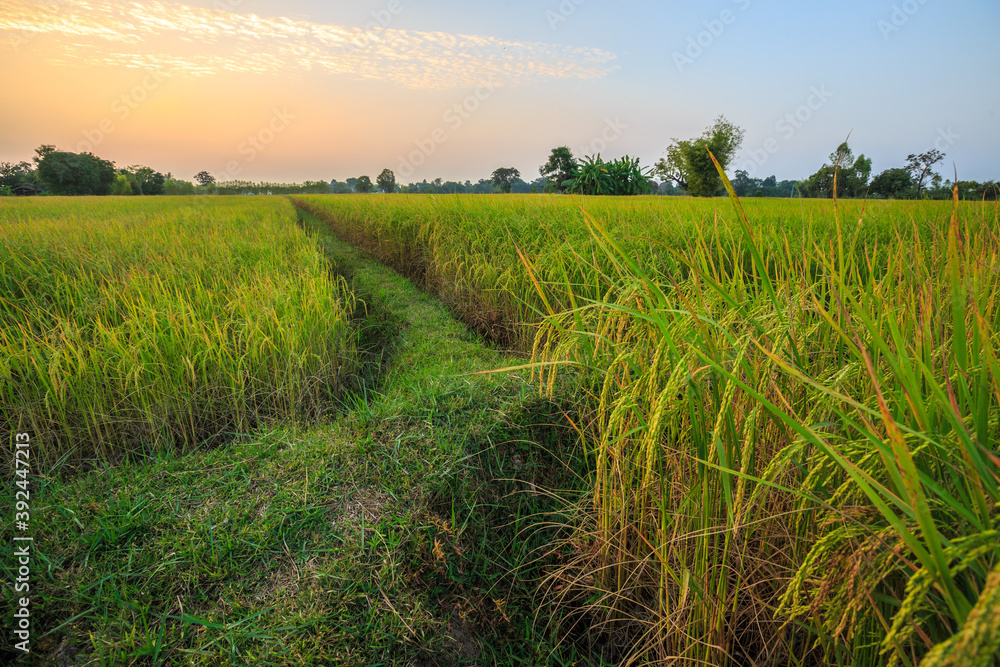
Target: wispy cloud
(177,38)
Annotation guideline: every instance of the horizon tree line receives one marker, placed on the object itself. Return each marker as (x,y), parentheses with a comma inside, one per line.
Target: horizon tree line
(686,169)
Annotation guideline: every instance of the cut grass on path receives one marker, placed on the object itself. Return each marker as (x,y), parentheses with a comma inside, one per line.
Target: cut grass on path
(389,536)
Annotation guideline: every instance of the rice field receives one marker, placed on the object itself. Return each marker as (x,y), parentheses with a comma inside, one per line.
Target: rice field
(791,409)
(130,326)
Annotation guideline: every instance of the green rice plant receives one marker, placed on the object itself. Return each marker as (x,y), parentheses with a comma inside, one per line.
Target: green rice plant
(128,326)
(839,428)
(793,410)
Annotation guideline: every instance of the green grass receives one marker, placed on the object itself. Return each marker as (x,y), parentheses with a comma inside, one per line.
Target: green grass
(132,325)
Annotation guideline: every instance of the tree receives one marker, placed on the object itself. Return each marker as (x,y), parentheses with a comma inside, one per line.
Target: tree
(204,179)
(173,186)
(892,183)
(503,178)
(363,185)
(976,191)
(851,175)
(13,175)
(42,151)
(624,176)
(861,174)
(144,180)
(75,173)
(483,187)
(743,185)
(122,186)
(920,166)
(520,187)
(560,168)
(689,165)
(387,181)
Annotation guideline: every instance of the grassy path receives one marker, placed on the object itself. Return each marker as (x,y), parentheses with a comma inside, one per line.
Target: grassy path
(388,536)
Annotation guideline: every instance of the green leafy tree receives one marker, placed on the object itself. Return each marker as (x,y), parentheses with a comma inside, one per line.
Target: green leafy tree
(482,187)
(851,175)
(386,181)
(921,166)
(145,181)
(504,177)
(892,184)
(689,165)
(861,176)
(122,186)
(75,173)
(13,175)
(340,188)
(560,169)
(363,185)
(204,179)
(744,185)
(42,151)
(976,191)
(173,186)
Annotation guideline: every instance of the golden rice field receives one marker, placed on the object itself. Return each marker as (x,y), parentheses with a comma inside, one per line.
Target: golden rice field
(792,409)
(132,324)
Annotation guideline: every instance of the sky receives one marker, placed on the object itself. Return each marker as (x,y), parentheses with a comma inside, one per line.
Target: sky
(306,90)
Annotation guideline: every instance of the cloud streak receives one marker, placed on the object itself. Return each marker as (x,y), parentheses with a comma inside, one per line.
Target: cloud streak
(180,39)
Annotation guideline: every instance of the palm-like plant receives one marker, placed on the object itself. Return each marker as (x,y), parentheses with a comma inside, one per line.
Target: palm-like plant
(624,176)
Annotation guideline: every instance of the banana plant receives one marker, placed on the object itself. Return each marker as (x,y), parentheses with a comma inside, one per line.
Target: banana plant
(624,176)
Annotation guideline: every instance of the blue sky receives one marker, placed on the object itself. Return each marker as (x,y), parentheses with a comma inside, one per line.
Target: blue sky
(307,90)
